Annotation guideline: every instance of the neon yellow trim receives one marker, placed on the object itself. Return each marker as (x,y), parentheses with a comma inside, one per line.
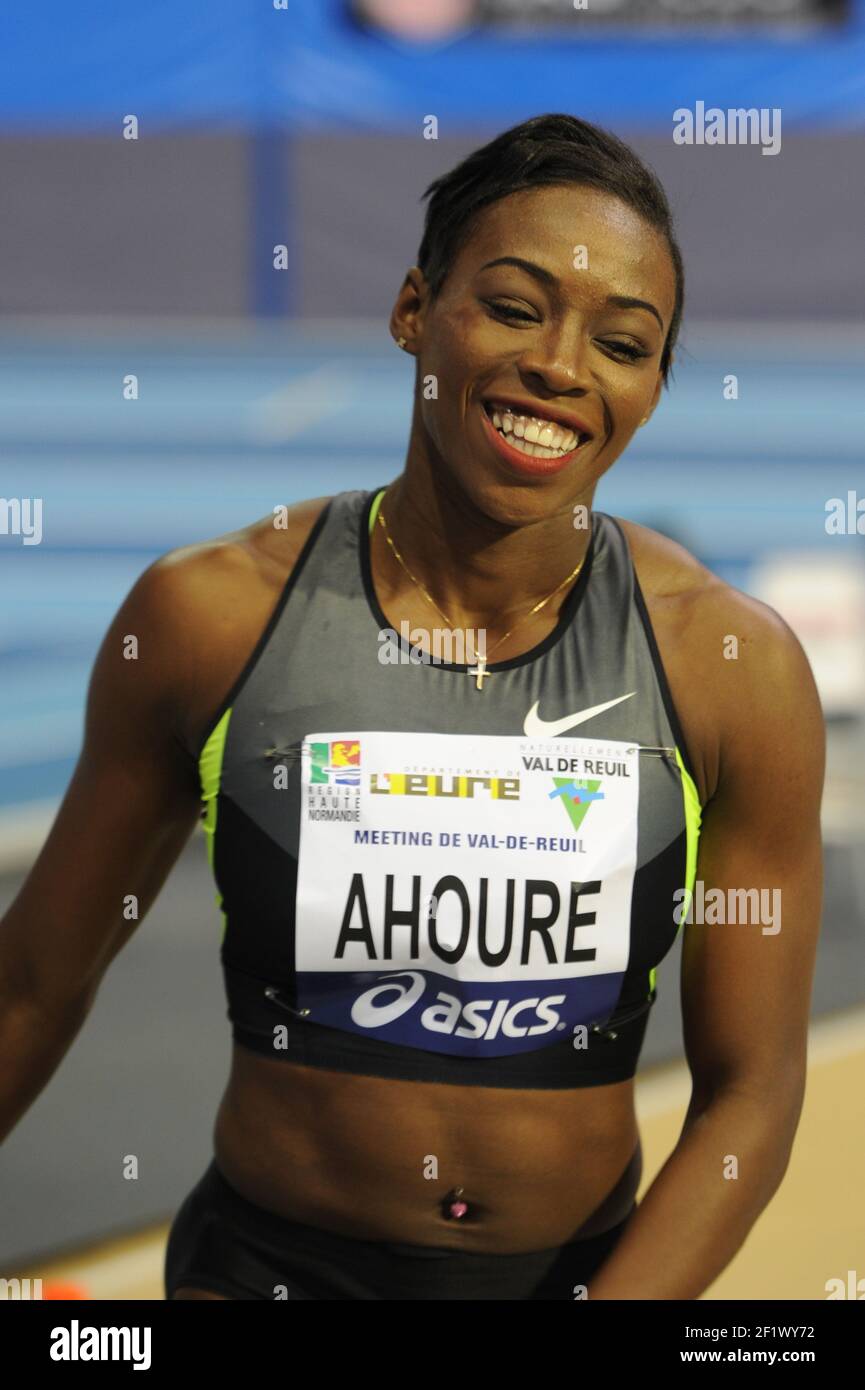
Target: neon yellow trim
(210,774)
(373,511)
(693,821)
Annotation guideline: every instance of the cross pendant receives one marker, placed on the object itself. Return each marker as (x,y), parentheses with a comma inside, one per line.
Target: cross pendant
(480,671)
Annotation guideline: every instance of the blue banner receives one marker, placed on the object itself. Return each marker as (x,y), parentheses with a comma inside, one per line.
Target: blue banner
(309,66)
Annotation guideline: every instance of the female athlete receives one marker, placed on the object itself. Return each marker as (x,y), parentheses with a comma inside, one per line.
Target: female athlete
(447,874)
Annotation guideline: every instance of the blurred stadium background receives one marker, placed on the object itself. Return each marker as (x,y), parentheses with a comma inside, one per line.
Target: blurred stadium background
(302,125)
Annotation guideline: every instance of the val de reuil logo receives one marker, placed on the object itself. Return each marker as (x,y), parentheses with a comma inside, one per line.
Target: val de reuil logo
(577,796)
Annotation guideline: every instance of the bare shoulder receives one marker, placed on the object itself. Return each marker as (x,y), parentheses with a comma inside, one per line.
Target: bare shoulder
(205,605)
(262,553)
(733,662)
(705,610)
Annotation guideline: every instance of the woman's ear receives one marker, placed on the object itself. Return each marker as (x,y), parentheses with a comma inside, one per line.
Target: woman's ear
(406,320)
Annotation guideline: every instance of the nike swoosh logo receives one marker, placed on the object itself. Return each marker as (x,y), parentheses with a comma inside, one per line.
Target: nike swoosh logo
(536,727)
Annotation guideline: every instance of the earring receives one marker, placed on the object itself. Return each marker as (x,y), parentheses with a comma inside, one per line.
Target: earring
(400,342)
(644,420)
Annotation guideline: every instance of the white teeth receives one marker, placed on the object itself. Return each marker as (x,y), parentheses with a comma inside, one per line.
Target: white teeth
(536,450)
(539,438)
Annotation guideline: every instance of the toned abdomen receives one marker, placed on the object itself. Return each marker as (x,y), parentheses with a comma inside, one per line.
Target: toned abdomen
(375,1158)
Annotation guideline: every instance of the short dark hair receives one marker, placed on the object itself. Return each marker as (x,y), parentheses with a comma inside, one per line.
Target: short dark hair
(546,150)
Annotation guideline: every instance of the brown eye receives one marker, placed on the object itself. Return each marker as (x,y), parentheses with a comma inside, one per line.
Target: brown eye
(627,350)
(510,311)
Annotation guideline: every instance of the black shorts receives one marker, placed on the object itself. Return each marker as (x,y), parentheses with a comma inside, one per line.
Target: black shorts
(221,1242)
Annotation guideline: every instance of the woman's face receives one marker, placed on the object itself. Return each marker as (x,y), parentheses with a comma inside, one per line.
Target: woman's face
(545,335)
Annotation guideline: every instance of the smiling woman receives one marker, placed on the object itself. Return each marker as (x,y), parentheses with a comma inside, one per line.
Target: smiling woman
(436,1036)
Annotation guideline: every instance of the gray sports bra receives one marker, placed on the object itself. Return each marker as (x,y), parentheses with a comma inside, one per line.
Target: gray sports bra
(438,877)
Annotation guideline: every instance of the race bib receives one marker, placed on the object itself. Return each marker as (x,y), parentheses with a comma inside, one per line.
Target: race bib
(464,894)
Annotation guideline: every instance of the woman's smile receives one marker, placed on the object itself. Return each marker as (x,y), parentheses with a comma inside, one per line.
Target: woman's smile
(531,445)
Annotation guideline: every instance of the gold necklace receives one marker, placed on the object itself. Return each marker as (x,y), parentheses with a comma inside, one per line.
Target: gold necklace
(480,670)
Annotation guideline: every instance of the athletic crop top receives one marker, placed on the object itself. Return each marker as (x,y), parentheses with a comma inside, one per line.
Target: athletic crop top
(436,875)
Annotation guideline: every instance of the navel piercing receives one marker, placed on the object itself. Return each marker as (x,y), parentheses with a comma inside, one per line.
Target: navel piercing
(456,1206)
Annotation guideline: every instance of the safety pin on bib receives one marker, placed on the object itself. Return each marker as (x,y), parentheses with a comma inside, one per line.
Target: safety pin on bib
(272,993)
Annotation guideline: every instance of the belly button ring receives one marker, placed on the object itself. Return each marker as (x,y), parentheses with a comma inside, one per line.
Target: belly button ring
(456,1206)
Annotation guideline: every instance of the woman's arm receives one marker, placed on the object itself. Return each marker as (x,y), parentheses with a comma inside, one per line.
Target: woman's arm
(746,984)
(129,809)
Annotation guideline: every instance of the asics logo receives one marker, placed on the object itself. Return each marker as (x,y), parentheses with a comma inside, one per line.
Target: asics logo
(479,1018)
(535,727)
(367,1012)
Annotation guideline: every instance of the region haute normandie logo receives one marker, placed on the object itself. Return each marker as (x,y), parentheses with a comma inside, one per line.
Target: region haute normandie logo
(335,764)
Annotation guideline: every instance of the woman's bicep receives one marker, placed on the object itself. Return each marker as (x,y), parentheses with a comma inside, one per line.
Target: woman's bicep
(130,807)
(750,939)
